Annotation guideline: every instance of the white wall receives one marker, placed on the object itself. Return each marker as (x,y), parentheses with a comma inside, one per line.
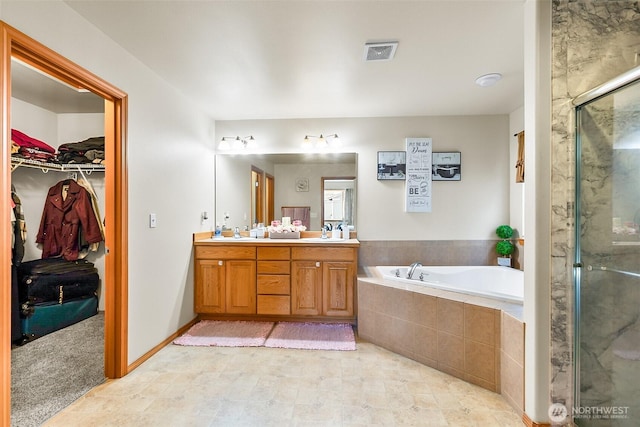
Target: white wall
(170,163)
(537,255)
(468,209)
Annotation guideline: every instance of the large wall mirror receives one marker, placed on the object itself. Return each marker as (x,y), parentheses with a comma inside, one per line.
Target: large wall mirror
(289,180)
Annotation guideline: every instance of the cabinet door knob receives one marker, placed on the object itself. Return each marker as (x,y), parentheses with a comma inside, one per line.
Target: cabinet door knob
(317,263)
(220,262)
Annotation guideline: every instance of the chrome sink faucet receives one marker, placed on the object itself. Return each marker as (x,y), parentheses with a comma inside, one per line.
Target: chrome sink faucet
(412,269)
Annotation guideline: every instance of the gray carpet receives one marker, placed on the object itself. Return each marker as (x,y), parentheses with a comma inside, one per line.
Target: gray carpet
(51,372)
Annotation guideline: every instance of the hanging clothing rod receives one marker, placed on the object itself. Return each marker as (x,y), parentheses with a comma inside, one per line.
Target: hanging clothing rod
(613,84)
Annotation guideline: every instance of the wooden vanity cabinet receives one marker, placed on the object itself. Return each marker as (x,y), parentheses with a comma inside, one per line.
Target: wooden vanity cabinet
(323,280)
(337,288)
(210,286)
(274,280)
(225,280)
(306,288)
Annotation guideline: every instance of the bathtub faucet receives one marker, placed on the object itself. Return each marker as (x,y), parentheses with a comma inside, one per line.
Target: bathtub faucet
(412,268)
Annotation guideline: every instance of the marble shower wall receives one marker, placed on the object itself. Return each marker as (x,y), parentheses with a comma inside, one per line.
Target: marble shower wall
(592,42)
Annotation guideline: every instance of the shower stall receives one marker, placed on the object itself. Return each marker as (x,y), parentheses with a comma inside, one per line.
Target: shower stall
(607,257)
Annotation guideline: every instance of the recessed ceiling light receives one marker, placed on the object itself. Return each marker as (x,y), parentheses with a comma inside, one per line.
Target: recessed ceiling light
(488,79)
(383,51)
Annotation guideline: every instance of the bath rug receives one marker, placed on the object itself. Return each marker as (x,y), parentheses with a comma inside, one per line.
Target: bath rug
(312,336)
(221,333)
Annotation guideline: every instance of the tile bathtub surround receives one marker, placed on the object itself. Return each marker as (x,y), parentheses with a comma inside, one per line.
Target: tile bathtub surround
(512,361)
(249,386)
(429,252)
(458,338)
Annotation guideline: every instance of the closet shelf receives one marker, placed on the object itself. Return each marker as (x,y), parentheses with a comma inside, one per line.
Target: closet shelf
(46,166)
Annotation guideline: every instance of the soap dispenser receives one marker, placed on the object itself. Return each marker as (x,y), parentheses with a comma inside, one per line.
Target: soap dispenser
(345,231)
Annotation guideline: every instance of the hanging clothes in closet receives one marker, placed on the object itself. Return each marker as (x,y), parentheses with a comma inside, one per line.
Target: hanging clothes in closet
(18,239)
(67,212)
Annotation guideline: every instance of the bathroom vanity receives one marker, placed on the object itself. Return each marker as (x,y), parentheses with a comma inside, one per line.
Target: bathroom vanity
(285,279)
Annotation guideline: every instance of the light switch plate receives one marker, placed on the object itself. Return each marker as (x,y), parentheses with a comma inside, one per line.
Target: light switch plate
(153,222)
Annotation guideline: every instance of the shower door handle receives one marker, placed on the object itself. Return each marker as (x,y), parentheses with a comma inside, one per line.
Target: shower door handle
(613,270)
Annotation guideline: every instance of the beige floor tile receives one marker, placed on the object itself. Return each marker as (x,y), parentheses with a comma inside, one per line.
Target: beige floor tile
(217,386)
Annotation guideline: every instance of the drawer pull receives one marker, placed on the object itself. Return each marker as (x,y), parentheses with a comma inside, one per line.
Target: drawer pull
(317,264)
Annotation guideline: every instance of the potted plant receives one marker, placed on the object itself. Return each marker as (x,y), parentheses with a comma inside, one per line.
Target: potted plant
(504,247)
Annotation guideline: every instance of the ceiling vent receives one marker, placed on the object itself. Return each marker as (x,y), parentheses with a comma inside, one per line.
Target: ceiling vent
(380,51)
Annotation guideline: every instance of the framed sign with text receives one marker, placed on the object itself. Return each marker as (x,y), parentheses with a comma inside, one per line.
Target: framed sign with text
(418,181)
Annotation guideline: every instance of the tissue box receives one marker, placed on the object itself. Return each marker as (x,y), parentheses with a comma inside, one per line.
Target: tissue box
(256,233)
(289,235)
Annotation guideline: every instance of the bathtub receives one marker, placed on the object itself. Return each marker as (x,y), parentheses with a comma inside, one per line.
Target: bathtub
(499,283)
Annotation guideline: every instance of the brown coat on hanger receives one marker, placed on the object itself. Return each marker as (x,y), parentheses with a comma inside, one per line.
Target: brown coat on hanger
(63,218)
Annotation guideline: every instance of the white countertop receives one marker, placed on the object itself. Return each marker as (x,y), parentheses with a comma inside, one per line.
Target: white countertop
(268,241)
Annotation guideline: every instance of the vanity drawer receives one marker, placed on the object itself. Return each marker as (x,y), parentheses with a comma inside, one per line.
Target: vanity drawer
(225,252)
(323,254)
(274,267)
(272,252)
(274,304)
(274,284)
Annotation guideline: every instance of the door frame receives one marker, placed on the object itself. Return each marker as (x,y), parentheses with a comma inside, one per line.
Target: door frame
(16,44)
(257,195)
(269,197)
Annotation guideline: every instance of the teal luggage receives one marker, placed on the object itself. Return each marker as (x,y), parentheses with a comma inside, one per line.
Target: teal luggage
(42,319)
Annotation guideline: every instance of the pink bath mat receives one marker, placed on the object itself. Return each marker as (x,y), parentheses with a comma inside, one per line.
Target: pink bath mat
(312,336)
(221,333)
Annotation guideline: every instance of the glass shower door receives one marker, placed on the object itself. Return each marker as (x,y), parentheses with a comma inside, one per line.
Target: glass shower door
(607,274)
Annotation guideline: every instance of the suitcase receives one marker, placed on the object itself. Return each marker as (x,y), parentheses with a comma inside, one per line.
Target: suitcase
(42,319)
(56,279)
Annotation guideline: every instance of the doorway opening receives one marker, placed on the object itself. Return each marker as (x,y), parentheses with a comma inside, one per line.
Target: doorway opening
(28,51)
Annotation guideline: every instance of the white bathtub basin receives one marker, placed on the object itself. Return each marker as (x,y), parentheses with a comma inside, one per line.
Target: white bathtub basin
(501,283)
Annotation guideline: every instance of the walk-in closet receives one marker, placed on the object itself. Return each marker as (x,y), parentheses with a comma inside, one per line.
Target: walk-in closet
(64,136)
(49,111)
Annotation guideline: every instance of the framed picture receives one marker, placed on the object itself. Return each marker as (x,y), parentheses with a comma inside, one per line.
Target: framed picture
(392,165)
(302,184)
(446,166)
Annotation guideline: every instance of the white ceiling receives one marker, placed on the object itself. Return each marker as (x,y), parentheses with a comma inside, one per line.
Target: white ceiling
(34,87)
(304,59)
